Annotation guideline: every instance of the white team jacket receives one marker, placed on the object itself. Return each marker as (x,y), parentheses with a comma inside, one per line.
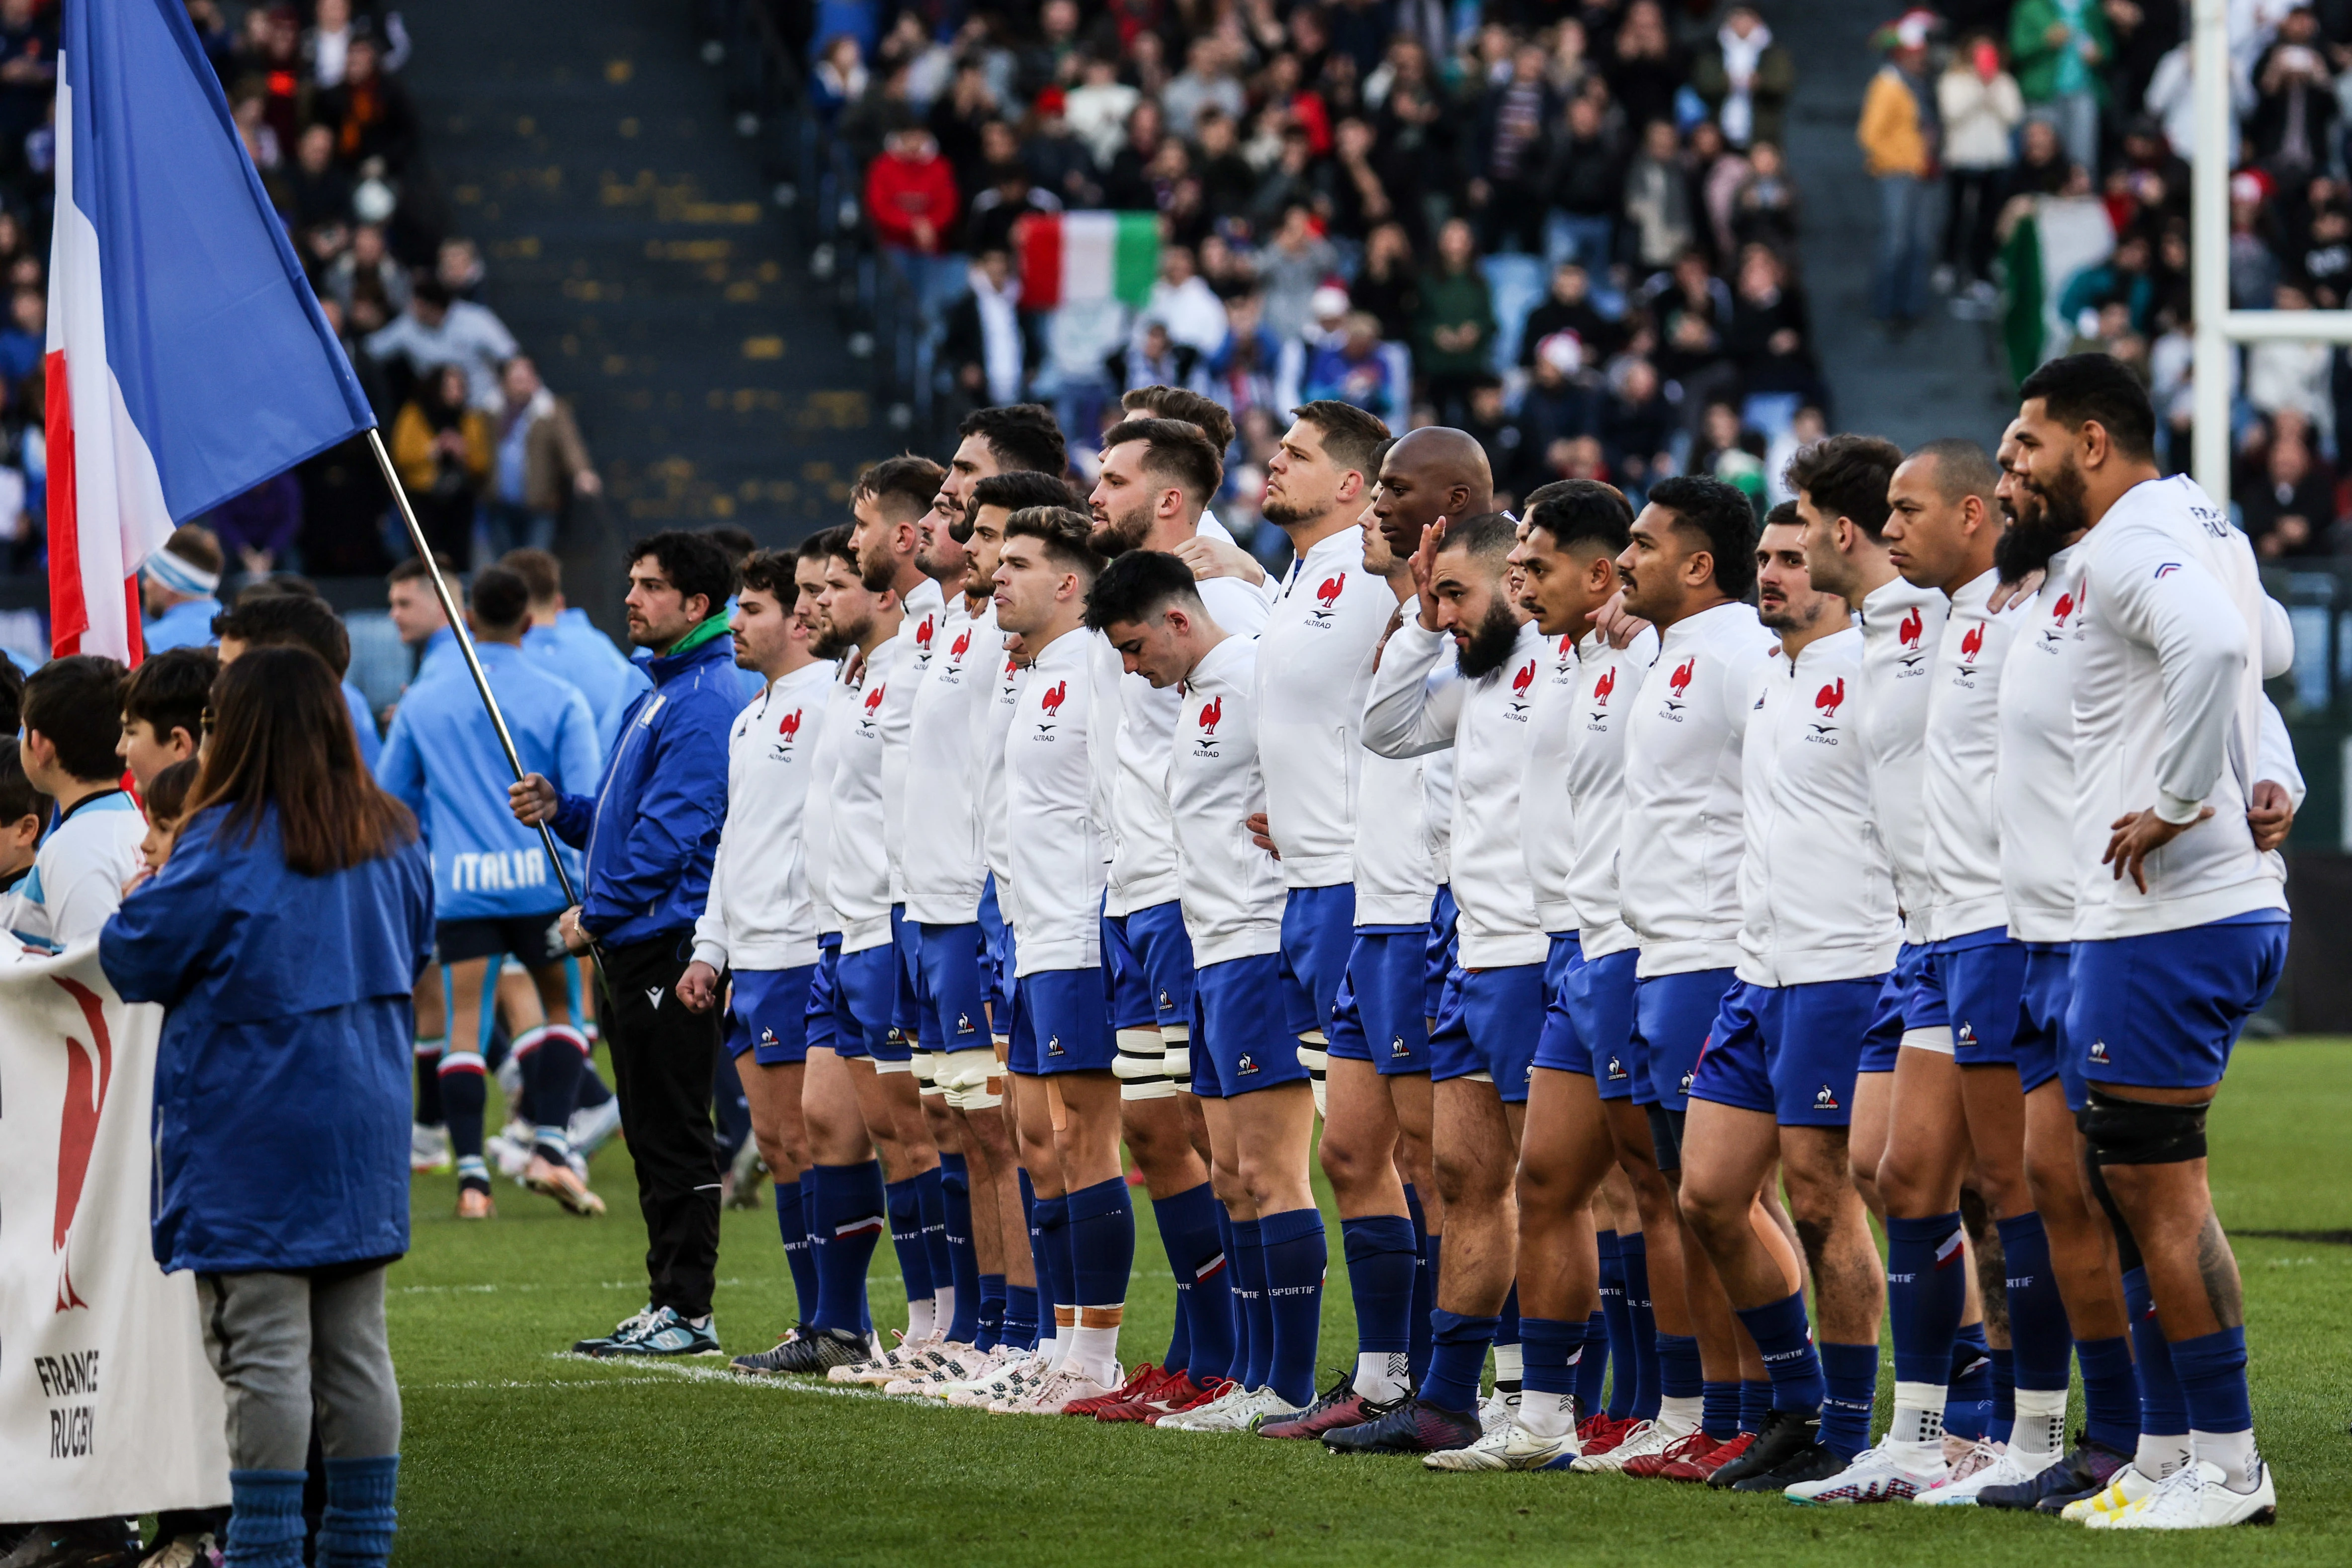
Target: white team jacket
(947,859)
(1055,842)
(1608,682)
(760,914)
(1486,722)
(1313,671)
(1816,891)
(2168,712)
(1549,827)
(1961,746)
(1232,890)
(1902,627)
(1678,861)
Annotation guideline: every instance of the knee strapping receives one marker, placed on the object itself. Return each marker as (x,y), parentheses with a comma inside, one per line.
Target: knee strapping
(2138,1132)
(1141,1066)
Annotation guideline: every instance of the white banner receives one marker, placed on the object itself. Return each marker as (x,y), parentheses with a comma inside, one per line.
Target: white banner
(107,1404)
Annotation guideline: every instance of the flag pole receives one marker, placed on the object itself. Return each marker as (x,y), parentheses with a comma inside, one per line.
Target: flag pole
(466,646)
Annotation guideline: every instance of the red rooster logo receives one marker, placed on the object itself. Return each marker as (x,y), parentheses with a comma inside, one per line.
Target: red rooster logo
(1210,714)
(1524,679)
(1911,628)
(1970,643)
(790,726)
(1830,697)
(874,697)
(2064,607)
(1052,701)
(1681,679)
(961,645)
(1329,592)
(923,632)
(89,1069)
(1604,686)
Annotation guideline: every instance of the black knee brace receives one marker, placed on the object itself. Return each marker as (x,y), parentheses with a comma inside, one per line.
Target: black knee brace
(2138,1132)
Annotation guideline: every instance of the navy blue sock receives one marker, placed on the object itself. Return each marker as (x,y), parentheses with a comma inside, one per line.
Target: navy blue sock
(1424,1286)
(2212,1372)
(1102,1242)
(1457,1356)
(931,1203)
(992,1313)
(1507,1324)
(963,1258)
(1425,1305)
(1553,1352)
(1188,1231)
(1617,1310)
(1021,1316)
(906,1201)
(1237,1322)
(2004,1392)
(265,1526)
(1382,1258)
(1296,1253)
(1719,1411)
(1678,1370)
(1927,1287)
(1649,1372)
(2163,1402)
(2040,1340)
(1850,1374)
(851,1210)
(1785,1339)
(792,1222)
(1049,1219)
(2110,1393)
(1755,1403)
(355,1528)
(1254,1357)
(1967,1397)
(463,1094)
(1593,1368)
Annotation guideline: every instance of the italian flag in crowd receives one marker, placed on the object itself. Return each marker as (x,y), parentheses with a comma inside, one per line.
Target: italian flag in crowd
(1076,258)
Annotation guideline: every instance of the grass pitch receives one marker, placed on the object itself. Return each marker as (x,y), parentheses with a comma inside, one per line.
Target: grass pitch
(518,1454)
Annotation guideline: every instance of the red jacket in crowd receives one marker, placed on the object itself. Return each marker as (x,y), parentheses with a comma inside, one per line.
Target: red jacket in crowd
(901,192)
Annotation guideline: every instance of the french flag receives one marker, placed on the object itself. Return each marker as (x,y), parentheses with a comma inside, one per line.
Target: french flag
(188,359)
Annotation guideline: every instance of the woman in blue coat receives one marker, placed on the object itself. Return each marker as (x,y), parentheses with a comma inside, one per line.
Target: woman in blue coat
(282,938)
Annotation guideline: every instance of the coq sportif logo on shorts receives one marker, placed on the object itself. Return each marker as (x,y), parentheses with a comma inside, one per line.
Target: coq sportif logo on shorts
(2098,1054)
(1616,1071)
(1397,1049)
(1245,1064)
(1826,1100)
(1053,1045)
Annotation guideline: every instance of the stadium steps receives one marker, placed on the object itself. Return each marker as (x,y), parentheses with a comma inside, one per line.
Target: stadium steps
(1946,378)
(588,147)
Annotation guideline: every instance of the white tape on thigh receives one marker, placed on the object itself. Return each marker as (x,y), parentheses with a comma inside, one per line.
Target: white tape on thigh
(925,1067)
(973,1098)
(1481,1076)
(1313,1057)
(1178,1038)
(1317,1085)
(1938,1040)
(970,1068)
(881,1066)
(1142,1056)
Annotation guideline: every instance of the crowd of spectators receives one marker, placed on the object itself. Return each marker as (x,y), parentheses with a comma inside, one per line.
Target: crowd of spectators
(490,457)
(1569,228)
(2018,100)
